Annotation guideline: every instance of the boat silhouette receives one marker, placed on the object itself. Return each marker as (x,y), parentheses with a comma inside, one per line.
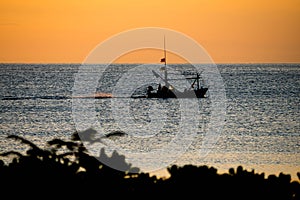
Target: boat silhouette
(196,89)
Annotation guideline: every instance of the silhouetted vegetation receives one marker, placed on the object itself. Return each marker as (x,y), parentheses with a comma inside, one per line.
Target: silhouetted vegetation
(73,173)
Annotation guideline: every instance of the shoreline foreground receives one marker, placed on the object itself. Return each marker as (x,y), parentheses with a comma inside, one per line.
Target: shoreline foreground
(72,173)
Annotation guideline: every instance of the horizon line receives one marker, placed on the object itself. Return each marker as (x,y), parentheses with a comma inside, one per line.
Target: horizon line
(78,63)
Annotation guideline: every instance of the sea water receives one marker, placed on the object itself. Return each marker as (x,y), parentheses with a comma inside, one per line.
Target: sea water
(260,128)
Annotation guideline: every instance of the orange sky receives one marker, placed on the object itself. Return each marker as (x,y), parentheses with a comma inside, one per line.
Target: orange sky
(65,31)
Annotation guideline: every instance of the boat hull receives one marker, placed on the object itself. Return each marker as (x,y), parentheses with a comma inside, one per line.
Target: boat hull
(199,93)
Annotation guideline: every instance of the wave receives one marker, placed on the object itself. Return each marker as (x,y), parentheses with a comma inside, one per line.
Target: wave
(35,97)
(96,96)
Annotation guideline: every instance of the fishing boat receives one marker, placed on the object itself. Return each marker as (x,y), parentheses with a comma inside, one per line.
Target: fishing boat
(196,89)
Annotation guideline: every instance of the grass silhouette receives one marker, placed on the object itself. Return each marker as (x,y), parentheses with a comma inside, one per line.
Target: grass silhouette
(74,174)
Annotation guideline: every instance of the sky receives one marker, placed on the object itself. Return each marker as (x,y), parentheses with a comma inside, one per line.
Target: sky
(231,31)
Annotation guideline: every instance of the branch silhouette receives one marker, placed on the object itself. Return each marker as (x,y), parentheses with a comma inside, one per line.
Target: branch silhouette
(74,174)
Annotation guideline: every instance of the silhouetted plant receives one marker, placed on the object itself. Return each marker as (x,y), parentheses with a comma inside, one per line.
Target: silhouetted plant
(66,168)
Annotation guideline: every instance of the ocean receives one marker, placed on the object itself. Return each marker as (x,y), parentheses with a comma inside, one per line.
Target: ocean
(256,126)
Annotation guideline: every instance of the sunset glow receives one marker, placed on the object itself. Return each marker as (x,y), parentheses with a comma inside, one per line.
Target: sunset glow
(231,31)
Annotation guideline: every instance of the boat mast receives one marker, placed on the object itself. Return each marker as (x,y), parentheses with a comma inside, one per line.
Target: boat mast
(165,56)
